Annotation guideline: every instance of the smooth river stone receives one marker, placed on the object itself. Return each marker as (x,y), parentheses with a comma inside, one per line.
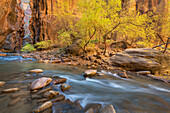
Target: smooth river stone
(51,94)
(44,106)
(10,90)
(65,87)
(108,109)
(2,83)
(40,83)
(90,73)
(36,71)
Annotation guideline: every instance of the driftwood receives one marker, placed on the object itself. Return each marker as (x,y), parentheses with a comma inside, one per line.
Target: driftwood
(166,45)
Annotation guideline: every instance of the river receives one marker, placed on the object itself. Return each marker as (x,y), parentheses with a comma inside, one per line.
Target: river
(137,95)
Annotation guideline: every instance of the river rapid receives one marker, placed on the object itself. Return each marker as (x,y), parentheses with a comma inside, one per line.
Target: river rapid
(138,95)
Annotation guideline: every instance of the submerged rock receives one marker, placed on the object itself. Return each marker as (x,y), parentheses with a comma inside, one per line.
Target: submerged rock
(36,71)
(93,108)
(2,83)
(22,93)
(40,83)
(44,106)
(51,94)
(65,87)
(90,73)
(108,109)
(67,106)
(59,81)
(14,101)
(10,90)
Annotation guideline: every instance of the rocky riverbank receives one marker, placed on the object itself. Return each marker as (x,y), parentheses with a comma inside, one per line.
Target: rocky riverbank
(152,61)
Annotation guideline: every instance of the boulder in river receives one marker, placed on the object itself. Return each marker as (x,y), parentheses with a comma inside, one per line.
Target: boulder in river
(36,71)
(2,83)
(108,109)
(40,83)
(10,90)
(44,106)
(140,59)
(90,73)
(65,87)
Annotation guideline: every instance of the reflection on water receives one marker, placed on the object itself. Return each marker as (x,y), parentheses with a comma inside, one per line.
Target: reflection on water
(126,95)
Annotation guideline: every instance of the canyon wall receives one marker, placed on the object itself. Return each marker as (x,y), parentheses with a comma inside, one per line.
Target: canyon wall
(11,25)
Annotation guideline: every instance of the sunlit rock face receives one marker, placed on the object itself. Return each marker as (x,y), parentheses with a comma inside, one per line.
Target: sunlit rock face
(11,25)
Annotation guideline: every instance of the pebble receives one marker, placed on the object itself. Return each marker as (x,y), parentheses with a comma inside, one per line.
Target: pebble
(36,71)
(2,83)
(10,90)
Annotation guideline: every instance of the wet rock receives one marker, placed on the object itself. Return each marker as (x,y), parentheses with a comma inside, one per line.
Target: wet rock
(143,72)
(90,73)
(140,59)
(58,98)
(10,90)
(93,107)
(13,102)
(160,78)
(36,71)
(2,83)
(122,74)
(66,60)
(51,94)
(49,110)
(46,61)
(65,87)
(44,106)
(19,94)
(44,90)
(90,111)
(56,61)
(40,61)
(59,81)
(42,100)
(66,106)
(40,83)
(108,109)
(3,54)
(35,96)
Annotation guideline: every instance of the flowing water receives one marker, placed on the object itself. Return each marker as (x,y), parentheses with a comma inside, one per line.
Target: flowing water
(126,95)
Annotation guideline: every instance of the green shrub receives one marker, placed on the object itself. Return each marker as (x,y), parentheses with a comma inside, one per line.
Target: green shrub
(44,44)
(28,48)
